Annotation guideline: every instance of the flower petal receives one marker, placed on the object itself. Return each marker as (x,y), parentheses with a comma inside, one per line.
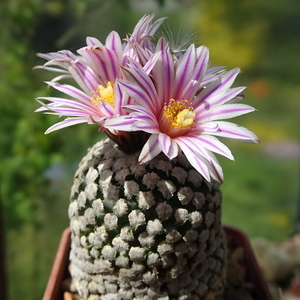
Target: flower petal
(224,112)
(114,43)
(211,143)
(71,91)
(150,149)
(184,71)
(168,146)
(58,103)
(65,123)
(84,76)
(139,77)
(163,73)
(137,93)
(201,66)
(235,132)
(122,123)
(196,160)
(217,87)
(215,168)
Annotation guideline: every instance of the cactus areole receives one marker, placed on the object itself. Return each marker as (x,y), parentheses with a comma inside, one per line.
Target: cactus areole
(145,211)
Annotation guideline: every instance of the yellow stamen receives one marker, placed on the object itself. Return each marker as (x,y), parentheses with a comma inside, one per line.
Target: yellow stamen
(105,94)
(185,118)
(179,115)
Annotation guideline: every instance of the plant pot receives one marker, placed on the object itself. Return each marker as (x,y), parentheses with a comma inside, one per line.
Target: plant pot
(235,239)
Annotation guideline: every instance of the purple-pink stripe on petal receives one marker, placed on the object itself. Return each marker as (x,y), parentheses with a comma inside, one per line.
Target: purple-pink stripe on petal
(71,91)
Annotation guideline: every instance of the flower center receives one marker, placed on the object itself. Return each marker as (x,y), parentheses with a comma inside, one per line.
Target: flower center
(178,116)
(105,94)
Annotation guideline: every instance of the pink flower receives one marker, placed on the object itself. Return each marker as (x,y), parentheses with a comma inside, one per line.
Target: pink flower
(180,104)
(95,69)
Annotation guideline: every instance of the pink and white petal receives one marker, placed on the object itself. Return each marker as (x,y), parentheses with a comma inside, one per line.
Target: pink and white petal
(235,132)
(142,55)
(211,143)
(208,127)
(145,125)
(68,112)
(114,43)
(190,90)
(137,93)
(114,64)
(60,55)
(212,74)
(61,77)
(120,99)
(217,98)
(98,58)
(139,110)
(174,150)
(201,65)
(52,69)
(66,103)
(194,144)
(91,41)
(228,78)
(201,164)
(150,149)
(168,146)
(238,98)
(106,109)
(155,25)
(138,76)
(216,171)
(120,123)
(151,62)
(184,71)
(63,63)
(217,88)
(226,111)
(71,91)
(66,123)
(163,72)
(200,99)
(84,76)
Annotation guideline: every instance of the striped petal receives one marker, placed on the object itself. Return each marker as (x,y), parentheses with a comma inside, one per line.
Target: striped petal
(137,93)
(62,102)
(225,112)
(71,91)
(84,76)
(235,132)
(121,123)
(65,123)
(163,73)
(139,77)
(184,70)
(196,160)
(219,86)
(114,43)
(168,146)
(150,149)
(211,143)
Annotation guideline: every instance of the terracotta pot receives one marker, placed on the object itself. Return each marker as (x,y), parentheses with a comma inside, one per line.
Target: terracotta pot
(236,238)
(59,269)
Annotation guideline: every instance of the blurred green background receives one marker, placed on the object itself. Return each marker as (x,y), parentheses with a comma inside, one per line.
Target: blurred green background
(261,189)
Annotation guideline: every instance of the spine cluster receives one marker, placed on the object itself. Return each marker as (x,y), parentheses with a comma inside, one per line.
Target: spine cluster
(148,231)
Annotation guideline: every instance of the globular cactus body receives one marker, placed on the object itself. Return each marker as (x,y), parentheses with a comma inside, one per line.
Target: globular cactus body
(149,231)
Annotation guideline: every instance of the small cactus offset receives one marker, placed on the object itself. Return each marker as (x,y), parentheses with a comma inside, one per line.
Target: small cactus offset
(150,231)
(145,209)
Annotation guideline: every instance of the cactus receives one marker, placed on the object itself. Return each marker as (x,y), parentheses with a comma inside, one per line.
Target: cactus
(145,208)
(150,231)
